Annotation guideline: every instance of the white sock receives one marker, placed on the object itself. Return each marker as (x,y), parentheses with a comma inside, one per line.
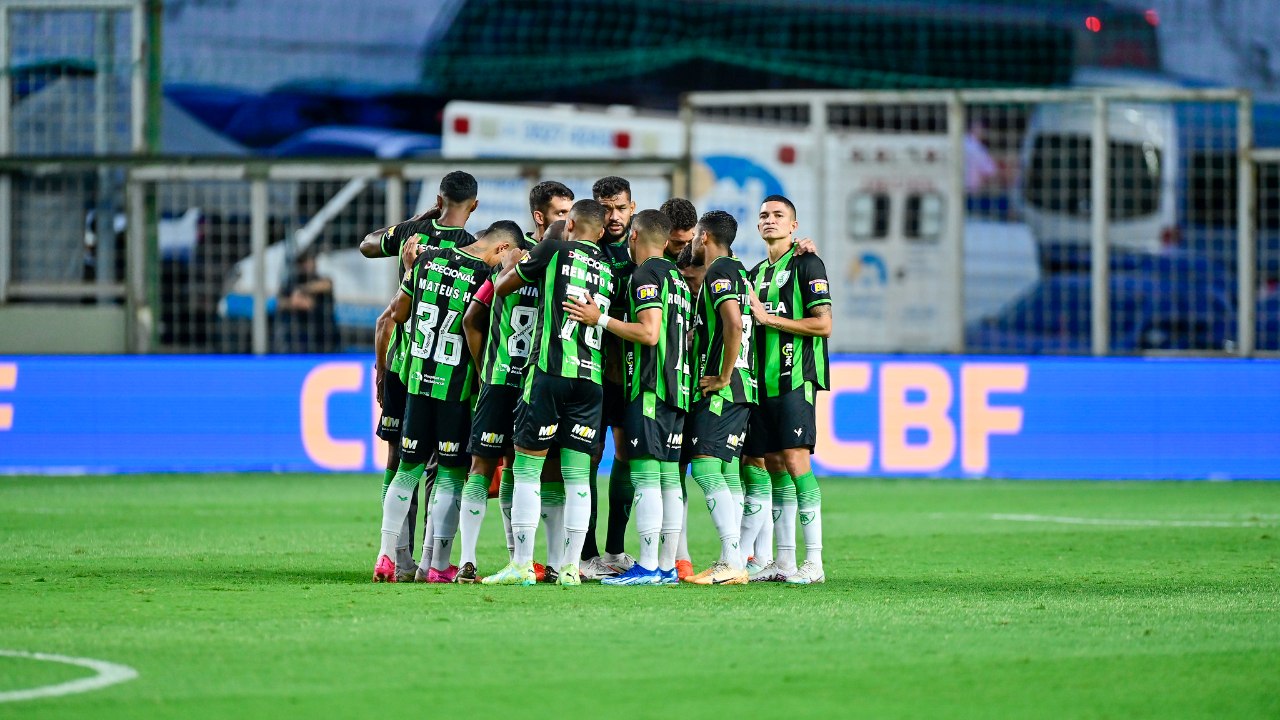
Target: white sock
(395,507)
(526,506)
(754,526)
(672,517)
(647,511)
(557,536)
(812,531)
(764,541)
(506,487)
(784,533)
(472,518)
(448,503)
(403,556)
(682,549)
(723,516)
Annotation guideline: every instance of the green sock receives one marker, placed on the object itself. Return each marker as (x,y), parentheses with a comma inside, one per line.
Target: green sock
(387,477)
(526,504)
(706,472)
(732,473)
(575,468)
(477,488)
(646,475)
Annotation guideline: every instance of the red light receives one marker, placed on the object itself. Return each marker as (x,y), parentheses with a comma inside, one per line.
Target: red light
(622,140)
(461,125)
(786,155)
(1153,18)
(1093,23)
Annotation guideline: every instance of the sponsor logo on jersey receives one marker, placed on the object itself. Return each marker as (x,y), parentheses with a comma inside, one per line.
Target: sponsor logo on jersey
(547,432)
(647,292)
(491,438)
(450,447)
(819,287)
(787,351)
(720,286)
(584,432)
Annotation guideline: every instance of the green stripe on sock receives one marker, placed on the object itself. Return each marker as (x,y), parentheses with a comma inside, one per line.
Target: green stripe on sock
(575,467)
(732,475)
(807,491)
(528,468)
(784,488)
(552,494)
(407,477)
(757,481)
(669,474)
(706,472)
(506,486)
(477,488)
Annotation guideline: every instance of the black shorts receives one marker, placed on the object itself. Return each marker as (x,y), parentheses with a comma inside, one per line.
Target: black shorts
(716,428)
(654,429)
(559,410)
(782,423)
(614,414)
(393,398)
(435,426)
(493,426)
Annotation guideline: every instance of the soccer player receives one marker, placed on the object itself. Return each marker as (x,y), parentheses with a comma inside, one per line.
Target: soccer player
(504,331)
(509,327)
(726,388)
(683,216)
(441,226)
(439,374)
(791,308)
(614,193)
(656,392)
(561,397)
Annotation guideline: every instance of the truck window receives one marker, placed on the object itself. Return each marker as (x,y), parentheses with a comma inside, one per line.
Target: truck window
(1211,191)
(923,219)
(869,216)
(1058,179)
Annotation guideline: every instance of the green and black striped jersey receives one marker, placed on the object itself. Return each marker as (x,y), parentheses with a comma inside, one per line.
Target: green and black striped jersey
(726,279)
(442,285)
(663,368)
(789,288)
(562,269)
(511,324)
(430,234)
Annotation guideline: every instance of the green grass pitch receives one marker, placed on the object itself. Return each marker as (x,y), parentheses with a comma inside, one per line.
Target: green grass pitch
(249,596)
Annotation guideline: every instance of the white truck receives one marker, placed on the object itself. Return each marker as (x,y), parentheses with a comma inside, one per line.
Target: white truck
(885,194)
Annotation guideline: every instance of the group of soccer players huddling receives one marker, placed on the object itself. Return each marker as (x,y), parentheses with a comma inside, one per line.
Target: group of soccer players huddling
(513,351)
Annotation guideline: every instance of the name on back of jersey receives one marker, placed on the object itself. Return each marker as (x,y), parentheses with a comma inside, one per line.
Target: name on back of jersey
(578,273)
(443,290)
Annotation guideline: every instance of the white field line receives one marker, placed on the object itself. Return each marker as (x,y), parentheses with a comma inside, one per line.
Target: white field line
(107,674)
(1132,522)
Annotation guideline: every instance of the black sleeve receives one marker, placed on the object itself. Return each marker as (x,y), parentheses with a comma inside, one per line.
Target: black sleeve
(396,235)
(722,283)
(534,265)
(811,273)
(647,288)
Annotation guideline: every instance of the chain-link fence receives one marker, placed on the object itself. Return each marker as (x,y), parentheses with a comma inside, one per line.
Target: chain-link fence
(209,254)
(996,252)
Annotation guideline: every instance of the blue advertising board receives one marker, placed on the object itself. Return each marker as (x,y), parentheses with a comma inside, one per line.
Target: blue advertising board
(884,416)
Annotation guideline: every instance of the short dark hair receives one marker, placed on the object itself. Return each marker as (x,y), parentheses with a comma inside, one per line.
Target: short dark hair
(685,259)
(506,230)
(721,225)
(555,231)
(682,213)
(541,195)
(653,226)
(590,212)
(782,199)
(610,186)
(459,186)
